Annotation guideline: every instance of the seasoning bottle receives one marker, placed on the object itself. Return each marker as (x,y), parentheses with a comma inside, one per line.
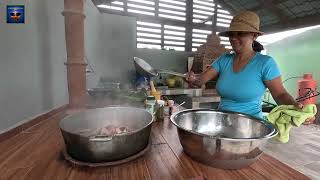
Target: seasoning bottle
(154,92)
(150,103)
(160,110)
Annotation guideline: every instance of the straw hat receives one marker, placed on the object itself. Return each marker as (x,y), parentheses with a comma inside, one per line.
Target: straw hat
(246,21)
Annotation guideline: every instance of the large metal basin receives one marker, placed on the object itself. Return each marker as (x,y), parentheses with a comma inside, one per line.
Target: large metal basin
(222,139)
(82,144)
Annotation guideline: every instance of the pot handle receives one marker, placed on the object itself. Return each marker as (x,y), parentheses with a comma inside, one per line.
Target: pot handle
(100,138)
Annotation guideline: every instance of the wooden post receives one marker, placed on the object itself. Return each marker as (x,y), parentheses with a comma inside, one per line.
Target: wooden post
(76,66)
(189,25)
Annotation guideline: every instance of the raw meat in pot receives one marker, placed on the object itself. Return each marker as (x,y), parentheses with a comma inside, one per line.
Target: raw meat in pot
(111,130)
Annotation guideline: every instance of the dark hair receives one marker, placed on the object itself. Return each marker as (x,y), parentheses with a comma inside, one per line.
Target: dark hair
(257,47)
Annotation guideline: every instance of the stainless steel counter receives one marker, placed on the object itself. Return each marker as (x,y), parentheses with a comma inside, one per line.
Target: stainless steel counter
(179,91)
(196,101)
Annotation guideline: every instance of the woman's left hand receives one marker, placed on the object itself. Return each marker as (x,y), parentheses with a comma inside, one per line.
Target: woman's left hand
(298,105)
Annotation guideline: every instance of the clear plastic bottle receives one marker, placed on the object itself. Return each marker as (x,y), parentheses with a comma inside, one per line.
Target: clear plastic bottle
(150,103)
(160,110)
(170,104)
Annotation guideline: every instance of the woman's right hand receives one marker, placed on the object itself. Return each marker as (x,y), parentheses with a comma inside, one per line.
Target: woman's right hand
(193,78)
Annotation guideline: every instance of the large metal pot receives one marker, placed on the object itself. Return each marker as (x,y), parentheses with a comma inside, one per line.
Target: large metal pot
(79,133)
(222,139)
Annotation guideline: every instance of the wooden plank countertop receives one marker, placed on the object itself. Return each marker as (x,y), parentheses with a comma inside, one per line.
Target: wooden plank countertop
(36,154)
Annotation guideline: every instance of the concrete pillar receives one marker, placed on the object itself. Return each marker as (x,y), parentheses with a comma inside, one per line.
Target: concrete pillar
(76,66)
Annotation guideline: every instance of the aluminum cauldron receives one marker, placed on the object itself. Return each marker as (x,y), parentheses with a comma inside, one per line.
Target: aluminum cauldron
(79,132)
(222,139)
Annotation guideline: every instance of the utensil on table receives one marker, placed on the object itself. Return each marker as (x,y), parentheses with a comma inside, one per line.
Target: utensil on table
(180,104)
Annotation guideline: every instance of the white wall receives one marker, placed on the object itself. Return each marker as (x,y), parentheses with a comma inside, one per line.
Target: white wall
(32,55)
(162,59)
(112,38)
(118,36)
(32,71)
(93,43)
(297,55)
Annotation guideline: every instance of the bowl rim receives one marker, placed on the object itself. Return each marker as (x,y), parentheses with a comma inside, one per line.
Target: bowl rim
(69,117)
(273,132)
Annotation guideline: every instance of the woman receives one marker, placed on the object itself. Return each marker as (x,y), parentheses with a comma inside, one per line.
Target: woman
(244,75)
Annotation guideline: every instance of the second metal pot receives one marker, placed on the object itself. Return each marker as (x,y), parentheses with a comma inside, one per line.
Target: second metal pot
(222,139)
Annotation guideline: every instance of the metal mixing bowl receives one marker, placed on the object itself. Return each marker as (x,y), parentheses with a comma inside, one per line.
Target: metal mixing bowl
(222,139)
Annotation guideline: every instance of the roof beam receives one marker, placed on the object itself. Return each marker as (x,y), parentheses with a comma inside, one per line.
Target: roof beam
(296,23)
(274,3)
(273,8)
(189,25)
(227,6)
(102,1)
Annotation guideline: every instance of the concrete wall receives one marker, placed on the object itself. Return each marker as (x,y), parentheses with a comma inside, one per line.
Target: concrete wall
(32,71)
(297,55)
(93,43)
(118,39)
(112,38)
(162,59)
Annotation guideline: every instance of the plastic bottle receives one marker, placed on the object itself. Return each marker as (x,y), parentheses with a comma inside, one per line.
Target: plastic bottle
(307,88)
(170,104)
(150,103)
(160,110)
(154,92)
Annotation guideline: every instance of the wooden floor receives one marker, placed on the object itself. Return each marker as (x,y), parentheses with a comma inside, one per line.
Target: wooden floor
(36,154)
(302,152)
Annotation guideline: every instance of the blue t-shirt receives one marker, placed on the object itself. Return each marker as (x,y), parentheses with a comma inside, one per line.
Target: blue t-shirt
(242,91)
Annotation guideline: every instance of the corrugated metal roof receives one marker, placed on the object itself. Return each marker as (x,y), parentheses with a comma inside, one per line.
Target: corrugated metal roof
(275,15)
(278,15)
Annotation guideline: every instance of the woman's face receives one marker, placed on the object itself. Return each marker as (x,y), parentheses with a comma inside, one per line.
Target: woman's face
(241,41)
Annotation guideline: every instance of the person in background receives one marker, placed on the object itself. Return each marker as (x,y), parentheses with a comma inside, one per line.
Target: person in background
(244,75)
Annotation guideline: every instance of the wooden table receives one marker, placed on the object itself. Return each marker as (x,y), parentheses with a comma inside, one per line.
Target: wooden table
(36,154)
